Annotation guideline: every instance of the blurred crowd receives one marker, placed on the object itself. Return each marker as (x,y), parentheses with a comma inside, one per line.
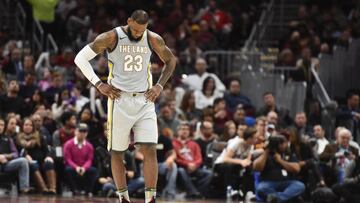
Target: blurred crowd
(213,142)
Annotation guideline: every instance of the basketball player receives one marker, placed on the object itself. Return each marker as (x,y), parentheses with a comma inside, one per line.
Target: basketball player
(131,94)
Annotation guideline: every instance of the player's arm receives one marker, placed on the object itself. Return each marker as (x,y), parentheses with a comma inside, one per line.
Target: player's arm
(158,45)
(104,41)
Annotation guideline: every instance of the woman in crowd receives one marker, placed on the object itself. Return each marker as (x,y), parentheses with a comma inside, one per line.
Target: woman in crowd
(207,95)
(35,150)
(189,112)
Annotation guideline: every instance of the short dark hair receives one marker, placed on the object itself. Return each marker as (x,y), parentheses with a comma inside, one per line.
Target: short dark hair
(267,93)
(249,132)
(218,100)
(140,16)
(350,93)
(66,116)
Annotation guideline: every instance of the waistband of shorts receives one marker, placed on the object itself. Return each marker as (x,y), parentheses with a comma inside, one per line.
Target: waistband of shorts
(133,94)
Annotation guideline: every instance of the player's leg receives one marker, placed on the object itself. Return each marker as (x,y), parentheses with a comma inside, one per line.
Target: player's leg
(150,170)
(146,135)
(119,126)
(118,171)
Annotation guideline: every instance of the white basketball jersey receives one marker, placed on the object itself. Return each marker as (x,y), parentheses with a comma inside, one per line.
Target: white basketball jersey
(129,63)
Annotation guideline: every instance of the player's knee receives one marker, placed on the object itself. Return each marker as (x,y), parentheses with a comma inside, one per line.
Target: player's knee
(148,149)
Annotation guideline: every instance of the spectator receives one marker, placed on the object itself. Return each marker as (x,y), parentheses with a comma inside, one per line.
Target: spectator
(167,118)
(236,157)
(9,161)
(207,95)
(78,156)
(13,66)
(339,154)
(38,126)
(229,131)
(303,129)
(260,132)
(351,185)
(309,169)
(349,115)
(234,97)
(36,151)
(321,140)
(55,87)
(166,157)
(27,89)
(44,12)
(188,110)
(270,105)
(189,160)
(272,118)
(67,132)
(277,182)
(12,129)
(63,104)
(80,100)
(221,115)
(206,137)
(195,81)
(95,128)
(11,101)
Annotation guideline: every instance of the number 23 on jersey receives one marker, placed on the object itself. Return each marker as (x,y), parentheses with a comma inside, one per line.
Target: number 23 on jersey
(133,63)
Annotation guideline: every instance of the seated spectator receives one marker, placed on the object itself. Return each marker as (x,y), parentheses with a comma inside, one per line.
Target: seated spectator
(28,87)
(38,126)
(95,128)
(321,140)
(207,95)
(167,118)
(63,104)
(189,112)
(189,160)
(67,132)
(221,115)
(206,137)
(13,65)
(234,97)
(9,161)
(35,150)
(55,87)
(11,101)
(229,131)
(349,115)
(106,180)
(166,157)
(78,156)
(195,81)
(276,173)
(80,100)
(12,130)
(339,154)
(349,189)
(260,132)
(236,157)
(303,129)
(309,168)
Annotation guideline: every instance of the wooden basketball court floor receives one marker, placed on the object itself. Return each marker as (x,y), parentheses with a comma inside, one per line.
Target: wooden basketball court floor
(59,199)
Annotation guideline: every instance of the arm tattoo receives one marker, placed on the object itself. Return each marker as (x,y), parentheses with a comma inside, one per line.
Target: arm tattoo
(167,57)
(106,40)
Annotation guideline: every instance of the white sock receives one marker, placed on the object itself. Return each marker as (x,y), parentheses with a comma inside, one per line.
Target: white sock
(123,193)
(150,193)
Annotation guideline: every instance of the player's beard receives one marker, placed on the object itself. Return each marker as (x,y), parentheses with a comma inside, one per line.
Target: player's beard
(131,38)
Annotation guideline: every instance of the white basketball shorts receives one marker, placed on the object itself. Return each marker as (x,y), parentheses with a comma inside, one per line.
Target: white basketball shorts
(131,111)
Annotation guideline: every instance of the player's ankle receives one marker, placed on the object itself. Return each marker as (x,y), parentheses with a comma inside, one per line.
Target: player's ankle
(150,195)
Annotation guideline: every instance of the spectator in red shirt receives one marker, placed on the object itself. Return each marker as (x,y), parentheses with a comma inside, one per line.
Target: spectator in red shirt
(67,132)
(189,160)
(78,156)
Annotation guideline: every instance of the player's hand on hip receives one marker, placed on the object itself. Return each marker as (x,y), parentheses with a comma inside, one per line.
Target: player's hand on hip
(153,93)
(109,91)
